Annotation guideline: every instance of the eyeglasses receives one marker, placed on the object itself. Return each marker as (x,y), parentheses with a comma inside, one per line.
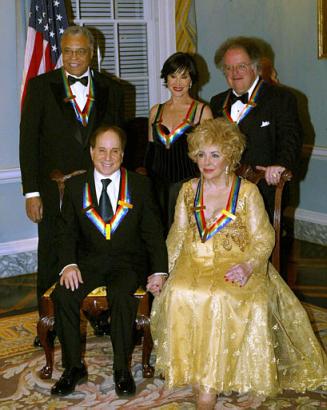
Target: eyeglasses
(241,68)
(79,52)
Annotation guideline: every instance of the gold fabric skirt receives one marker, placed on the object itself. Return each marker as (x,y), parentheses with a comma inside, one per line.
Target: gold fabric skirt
(225,338)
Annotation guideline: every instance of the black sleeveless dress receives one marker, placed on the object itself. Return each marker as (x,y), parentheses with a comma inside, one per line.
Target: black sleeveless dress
(170,165)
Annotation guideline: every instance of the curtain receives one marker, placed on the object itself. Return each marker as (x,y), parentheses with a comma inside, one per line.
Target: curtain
(186,38)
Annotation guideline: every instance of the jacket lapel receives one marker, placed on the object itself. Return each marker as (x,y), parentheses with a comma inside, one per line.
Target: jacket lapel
(99,107)
(255,114)
(66,108)
(90,180)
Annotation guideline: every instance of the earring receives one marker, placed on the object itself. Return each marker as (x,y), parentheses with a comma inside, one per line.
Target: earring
(227,175)
(190,86)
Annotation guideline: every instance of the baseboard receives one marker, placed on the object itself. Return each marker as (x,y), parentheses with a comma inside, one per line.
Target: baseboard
(18,257)
(308,225)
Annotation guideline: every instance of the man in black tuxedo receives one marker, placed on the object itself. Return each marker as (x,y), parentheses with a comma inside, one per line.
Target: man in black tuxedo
(266,114)
(61,110)
(104,227)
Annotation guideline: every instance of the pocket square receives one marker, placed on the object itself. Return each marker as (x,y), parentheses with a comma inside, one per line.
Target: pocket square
(264,124)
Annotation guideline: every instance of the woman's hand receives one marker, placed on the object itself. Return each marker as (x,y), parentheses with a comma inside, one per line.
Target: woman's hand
(239,273)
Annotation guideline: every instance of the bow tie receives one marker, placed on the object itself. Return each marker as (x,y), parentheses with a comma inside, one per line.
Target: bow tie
(243,98)
(83,80)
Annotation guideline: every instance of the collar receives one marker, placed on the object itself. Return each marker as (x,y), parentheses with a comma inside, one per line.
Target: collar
(87,73)
(250,90)
(115,177)
(113,188)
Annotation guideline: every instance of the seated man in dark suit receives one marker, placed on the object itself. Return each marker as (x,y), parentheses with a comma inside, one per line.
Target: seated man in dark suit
(266,114)
(108,217)
(61,111)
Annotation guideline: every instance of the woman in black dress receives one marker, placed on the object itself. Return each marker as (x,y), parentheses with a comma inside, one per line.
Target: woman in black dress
(167,160)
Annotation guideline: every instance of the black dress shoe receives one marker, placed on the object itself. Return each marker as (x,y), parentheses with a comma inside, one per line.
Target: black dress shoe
(100,324)
(69,379)
(37,342)
(124,383)
(51,336)
(101,328)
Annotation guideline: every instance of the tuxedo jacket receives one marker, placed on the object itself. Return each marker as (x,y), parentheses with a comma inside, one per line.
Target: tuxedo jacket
(52,138)
(272,128)
(79,241)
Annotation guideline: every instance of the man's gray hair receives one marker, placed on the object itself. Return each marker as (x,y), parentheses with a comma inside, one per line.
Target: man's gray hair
(248,44)
(75,30)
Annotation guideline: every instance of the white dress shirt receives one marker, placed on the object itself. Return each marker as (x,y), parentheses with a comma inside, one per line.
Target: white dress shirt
(237,108)
(79,90)
(112,188)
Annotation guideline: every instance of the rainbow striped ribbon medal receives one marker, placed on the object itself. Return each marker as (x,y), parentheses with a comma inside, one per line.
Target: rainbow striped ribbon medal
(248,107)
(82,116)
(227,215)
(124,204)
(168,139)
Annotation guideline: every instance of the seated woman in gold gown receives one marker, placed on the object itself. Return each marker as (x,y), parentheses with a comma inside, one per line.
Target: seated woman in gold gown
(225,320)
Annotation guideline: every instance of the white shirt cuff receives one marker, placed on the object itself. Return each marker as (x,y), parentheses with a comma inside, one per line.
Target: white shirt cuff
(160,274)
(32,194)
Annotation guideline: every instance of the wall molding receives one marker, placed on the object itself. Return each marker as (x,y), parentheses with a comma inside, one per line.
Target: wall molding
(13,175)
(18,257)
(314,151)
(20,246)
(10,176)
(299,215)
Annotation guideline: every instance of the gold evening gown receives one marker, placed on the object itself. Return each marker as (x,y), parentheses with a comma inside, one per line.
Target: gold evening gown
(223,337)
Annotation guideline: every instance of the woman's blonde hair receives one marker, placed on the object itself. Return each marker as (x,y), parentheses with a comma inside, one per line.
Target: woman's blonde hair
(221,133)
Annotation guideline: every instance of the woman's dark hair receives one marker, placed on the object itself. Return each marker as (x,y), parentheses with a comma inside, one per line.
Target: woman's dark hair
(180,62)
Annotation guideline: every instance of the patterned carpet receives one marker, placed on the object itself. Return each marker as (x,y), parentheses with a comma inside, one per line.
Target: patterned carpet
(21,388)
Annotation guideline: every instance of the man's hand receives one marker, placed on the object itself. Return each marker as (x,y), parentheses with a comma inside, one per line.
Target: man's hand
(155,284)
(71,277)
(272,173)
(34,208)
(239,273)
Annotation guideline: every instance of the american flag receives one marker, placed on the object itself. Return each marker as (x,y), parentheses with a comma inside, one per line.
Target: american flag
(47,22)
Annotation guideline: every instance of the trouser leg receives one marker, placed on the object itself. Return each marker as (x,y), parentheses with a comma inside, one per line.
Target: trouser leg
(47,272)
(67,323)
(123,309)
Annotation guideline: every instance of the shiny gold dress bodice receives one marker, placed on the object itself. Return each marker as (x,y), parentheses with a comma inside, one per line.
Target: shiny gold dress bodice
(221,336)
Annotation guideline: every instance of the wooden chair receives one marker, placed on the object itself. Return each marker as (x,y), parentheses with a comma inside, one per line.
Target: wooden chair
(93,306)
(246,171)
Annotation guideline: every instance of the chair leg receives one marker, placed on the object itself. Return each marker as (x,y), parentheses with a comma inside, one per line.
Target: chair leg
(148,370)
(44,326)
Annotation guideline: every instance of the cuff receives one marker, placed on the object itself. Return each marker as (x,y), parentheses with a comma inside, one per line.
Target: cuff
(32,194)
(160,274)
